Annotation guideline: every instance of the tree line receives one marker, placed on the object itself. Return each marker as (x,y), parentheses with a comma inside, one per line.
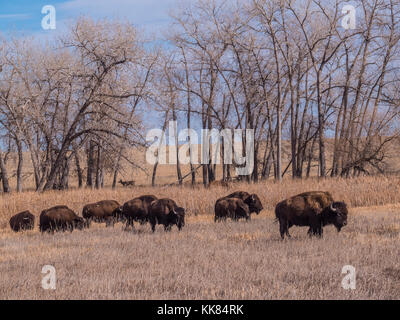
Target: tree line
(286,69)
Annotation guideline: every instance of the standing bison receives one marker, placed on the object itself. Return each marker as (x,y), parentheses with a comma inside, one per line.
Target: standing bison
(233,208)
(135,210)
(313,209)
(60,218)
(102,211)
(252,200)
(167,213)
(22,221)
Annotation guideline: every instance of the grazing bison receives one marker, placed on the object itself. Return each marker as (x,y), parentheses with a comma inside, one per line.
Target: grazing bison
(313,209)
(233,208)
(135,210)
(101,211)
(60,218)
(252,200)
(22,221)
(167,213)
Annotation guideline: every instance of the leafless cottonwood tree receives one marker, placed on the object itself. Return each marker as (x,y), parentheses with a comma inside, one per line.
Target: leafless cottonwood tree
(84,90)
(315,93)
(291,72)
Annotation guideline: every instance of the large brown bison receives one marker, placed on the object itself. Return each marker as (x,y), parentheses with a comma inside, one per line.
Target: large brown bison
(233,208)
(135,210)
(252,200)
(167,213)
(22,221)
(60,218)
(102,211)
(314,209)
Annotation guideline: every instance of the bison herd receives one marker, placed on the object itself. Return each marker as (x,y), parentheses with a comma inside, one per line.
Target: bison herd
(311,209)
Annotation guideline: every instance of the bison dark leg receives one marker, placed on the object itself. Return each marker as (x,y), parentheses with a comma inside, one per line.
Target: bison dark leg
(283,228)
(110,222)
(167,228)
(87,223)
(129,223)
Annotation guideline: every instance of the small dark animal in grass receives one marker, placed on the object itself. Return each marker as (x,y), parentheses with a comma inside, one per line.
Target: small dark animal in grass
(127,183)
(60,218)
(135,210)
(101,211)
(314,209)
(22,221)
(233,208)
(252,200)
(167,213)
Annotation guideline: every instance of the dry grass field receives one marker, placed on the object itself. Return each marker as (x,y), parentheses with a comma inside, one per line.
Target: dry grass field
(245,260)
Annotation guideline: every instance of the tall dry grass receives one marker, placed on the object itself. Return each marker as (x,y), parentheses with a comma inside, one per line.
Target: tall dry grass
(358,192)
(245,260)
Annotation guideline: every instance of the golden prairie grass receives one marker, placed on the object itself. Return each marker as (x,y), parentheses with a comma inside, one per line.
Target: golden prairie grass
(245,260)
(357,192)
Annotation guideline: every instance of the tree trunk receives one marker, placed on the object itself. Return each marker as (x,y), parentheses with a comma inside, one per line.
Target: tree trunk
(4,175)
(90,165)
(20,165)
(78,169)
(99,168)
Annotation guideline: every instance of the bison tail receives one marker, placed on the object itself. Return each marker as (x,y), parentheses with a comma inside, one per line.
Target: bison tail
(277,213)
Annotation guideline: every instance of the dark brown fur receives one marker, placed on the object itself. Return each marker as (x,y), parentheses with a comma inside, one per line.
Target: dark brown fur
(60,218)
(136,210)
(167,213)
(101,211)
(22,221)
(312,209)
(252,200)
(233,208)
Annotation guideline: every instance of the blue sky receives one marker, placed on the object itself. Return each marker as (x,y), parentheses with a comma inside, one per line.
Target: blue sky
(24,16)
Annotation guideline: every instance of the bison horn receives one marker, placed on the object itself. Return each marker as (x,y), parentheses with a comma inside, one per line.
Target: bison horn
(333,208)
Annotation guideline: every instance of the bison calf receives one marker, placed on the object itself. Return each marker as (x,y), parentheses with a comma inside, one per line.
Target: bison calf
(167,213)
(22,221)
(233,208)
(312,209)
(102,211)
(60,218)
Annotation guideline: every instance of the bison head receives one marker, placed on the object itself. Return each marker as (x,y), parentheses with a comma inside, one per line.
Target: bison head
(177,216)
(254,204)
(117,214)
(79,223)
(336,214)
(180,212)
